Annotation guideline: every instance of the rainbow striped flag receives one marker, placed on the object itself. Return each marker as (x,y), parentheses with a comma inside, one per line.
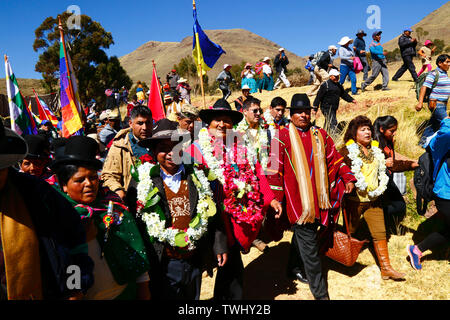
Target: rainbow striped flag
(70,107)
(44,111)
(204,51)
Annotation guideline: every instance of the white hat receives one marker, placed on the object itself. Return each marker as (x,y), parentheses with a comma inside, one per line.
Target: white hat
(334,72)
(344,41)
(182,80)
(104,114)
(281,49)
(266,59)
(332,47)
(226,66)
(245,87)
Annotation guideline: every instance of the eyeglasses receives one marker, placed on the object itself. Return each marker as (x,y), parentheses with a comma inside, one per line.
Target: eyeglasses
(255,111)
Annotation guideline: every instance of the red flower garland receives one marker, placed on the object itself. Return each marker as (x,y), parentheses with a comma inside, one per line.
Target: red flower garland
(247,209)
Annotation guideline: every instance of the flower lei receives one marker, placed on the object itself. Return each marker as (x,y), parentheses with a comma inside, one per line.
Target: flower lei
(257,149)
(243,200)
(151,213)
(357,162)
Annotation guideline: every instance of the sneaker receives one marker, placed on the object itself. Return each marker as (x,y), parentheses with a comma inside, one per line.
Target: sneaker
(386,89)
(394,79)
(414,257)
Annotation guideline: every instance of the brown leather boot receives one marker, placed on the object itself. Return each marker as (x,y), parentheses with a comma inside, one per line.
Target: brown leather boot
(387,272)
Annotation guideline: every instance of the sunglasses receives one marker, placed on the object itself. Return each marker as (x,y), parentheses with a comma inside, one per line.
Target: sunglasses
(255,111)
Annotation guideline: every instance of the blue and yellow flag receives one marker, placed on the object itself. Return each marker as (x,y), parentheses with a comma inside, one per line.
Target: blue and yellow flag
(205,52)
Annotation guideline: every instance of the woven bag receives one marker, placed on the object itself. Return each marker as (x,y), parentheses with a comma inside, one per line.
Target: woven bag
(345,249)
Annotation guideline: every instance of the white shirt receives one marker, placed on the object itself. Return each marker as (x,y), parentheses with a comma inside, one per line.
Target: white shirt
(173,182)
(267,69)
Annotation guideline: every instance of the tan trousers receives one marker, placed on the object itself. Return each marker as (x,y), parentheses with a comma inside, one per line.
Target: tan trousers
(321,76)
(373,214)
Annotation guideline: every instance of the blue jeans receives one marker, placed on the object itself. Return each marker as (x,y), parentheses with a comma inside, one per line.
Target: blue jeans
(438,114)
(346,70)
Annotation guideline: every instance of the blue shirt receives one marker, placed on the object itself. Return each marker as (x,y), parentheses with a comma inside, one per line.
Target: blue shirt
(439,146)
(442,90)
(376,50)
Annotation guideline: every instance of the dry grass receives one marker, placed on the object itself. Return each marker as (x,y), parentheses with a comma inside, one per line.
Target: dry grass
(265,273)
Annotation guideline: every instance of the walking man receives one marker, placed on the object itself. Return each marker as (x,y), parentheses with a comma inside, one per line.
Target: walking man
(321,68)
(359,46)
(225,78)
(408,50)
(379,62)
(280,62)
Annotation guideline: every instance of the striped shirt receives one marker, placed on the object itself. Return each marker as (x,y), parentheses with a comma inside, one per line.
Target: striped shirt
(442,90)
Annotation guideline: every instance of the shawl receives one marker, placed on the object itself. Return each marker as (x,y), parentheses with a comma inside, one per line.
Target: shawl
(303,177)
(20,247)
(124,248)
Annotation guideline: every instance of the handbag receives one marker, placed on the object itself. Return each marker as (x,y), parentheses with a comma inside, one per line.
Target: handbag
(344,249)
(357,65)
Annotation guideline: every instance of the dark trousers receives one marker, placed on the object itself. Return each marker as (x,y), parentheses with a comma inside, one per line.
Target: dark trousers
(394,207)
(225,91)
(407,65)
(181,280)
(366,67)
(306,240)
(442,237)
(230,277)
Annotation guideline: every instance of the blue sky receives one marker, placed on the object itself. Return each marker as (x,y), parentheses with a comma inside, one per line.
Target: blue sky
(302,27)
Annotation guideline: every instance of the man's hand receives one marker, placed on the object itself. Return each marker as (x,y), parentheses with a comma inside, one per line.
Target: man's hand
(276,205)
(389,162)
(362,51)
(222,259)
(419,106)
(349,187)
(354,101)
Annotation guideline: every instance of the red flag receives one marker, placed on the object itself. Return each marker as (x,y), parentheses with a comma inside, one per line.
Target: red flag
(44,112)
(155,102)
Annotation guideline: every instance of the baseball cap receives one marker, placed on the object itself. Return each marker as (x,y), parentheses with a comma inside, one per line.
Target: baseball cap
(226,66)
(332,47)
(376,33)
(361,31)
(281,49)
(408,29)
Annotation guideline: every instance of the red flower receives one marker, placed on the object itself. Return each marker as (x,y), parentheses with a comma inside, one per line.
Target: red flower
(147,158)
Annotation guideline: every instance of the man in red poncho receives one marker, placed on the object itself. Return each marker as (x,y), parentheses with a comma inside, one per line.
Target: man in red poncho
(310,177)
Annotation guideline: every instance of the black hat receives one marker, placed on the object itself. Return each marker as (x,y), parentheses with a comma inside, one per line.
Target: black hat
(13,147)
(376,33)
(38,146)
(79,150)
(220,108)
(163,129)
(300,101)
(361,32)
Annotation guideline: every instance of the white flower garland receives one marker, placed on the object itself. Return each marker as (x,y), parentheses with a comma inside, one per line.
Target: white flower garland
(270,121)
(354,155)
(146,192)
(261,143)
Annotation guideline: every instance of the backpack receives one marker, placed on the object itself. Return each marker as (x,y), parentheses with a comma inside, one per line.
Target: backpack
(423,180)
(421,80)
(317,57)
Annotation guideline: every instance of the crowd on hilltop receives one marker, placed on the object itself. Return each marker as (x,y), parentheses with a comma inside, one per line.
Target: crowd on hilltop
(134,208)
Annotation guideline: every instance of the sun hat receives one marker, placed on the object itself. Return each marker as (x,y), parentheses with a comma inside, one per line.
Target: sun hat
(182,80)
(266,59)
(332,47)
(220,108)
(163,129)
(345,40)
(226,66)
(245,87)
(13,147)
(334,72)
(248,64)
(427,42)
(281,49)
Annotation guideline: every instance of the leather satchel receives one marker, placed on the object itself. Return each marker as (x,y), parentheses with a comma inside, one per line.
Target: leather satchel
(344,249)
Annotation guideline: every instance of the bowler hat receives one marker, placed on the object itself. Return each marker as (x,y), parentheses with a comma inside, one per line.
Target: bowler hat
(79,150)
(13,147)
(162,130)
(300,101)
(38,146)
(220,108)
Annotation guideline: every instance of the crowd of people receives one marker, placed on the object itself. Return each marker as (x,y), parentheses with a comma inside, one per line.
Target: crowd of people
(143,208)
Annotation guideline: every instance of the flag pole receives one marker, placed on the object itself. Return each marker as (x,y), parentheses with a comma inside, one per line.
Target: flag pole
(200,71)
(159,88)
